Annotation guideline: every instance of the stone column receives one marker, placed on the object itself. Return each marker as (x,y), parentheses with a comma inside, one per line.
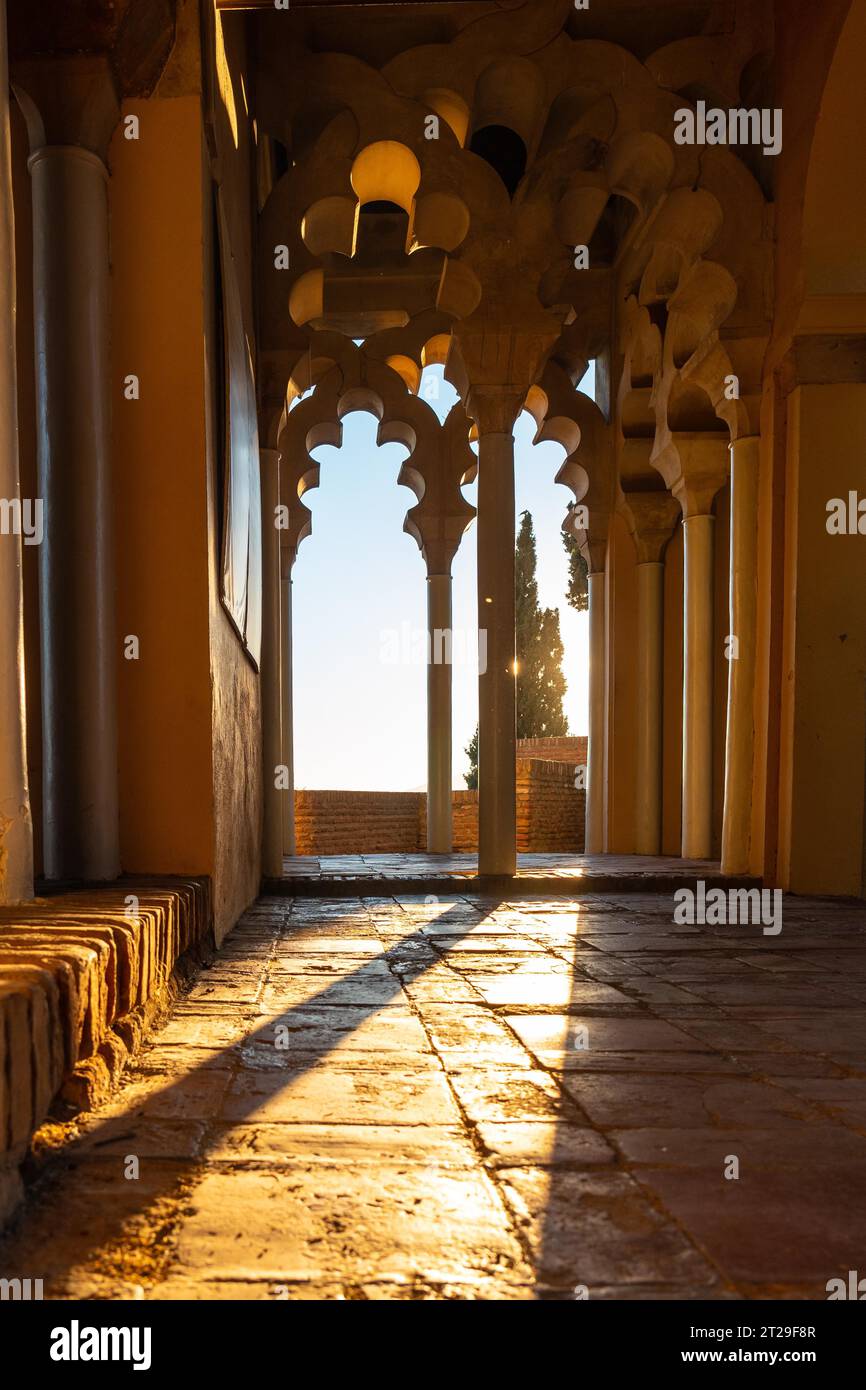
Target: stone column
(497,712)
(742,669)
(440,459)
(595,780)
(694,465)
(16,834)
(698,638)
(494,363)
(287,717)
(651,517)
(71,110)
(439,668)
(650,661)
(273,792)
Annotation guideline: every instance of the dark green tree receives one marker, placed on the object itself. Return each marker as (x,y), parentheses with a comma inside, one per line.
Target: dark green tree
(540,682)
(471,750)
(577,592)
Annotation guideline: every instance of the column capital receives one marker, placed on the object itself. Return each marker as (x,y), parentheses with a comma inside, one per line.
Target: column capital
(694,467)
(651,518)
(69,100)
(495,408)
(493,369)
(592,542)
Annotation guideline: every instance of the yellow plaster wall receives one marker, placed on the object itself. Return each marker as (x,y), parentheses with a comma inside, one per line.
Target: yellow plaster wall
(823,766)
(190,737)
(820,217)
(160,491)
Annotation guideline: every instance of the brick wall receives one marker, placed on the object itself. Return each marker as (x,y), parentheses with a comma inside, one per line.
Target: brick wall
(550,811)
(569,748)
(337,822)
(464,817)
(464,821)
(550,815)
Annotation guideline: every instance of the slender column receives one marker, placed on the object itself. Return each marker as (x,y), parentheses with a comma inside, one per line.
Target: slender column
(594,835)
(496,365)
(16,835)
(648,769)
(287,721)
(439,667)
(440,460)
(697,827)
(497,716)
(651,517)
(742,670)
(71,110)
(273,789)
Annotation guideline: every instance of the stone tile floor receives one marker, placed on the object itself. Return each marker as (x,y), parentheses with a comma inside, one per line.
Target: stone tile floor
(400,865)
(470,1098)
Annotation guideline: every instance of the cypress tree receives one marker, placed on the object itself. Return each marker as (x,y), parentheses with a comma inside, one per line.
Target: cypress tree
(540,682)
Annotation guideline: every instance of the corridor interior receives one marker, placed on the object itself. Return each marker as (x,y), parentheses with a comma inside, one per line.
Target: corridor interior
(233,1068)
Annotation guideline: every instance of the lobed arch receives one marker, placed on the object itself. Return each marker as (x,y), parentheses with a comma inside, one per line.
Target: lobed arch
(573,420)
(438,459)
(685,233)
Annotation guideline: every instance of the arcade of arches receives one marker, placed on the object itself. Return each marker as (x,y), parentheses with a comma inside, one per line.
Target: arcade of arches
(226,225)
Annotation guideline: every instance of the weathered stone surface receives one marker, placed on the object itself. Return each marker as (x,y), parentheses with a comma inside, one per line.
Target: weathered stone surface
(423,1135)
(435,1224)
(600,1228)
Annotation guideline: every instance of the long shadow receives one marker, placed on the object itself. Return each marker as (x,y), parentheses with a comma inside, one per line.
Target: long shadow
(407,960)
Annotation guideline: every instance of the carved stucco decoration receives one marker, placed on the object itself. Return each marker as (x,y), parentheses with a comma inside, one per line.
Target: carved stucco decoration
(691,230)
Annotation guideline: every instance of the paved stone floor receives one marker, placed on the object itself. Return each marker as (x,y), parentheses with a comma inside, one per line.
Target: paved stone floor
(397,1098)
(314,866)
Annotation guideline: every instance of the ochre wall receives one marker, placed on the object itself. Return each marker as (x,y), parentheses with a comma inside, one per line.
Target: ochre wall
(190,737)
(807,35)
(823,771)
(807,808)
(160,491)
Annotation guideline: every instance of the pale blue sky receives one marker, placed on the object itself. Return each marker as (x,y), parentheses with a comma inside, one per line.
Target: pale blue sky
(360,612)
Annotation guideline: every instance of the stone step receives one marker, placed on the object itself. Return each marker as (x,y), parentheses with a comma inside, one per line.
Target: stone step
(83,976)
